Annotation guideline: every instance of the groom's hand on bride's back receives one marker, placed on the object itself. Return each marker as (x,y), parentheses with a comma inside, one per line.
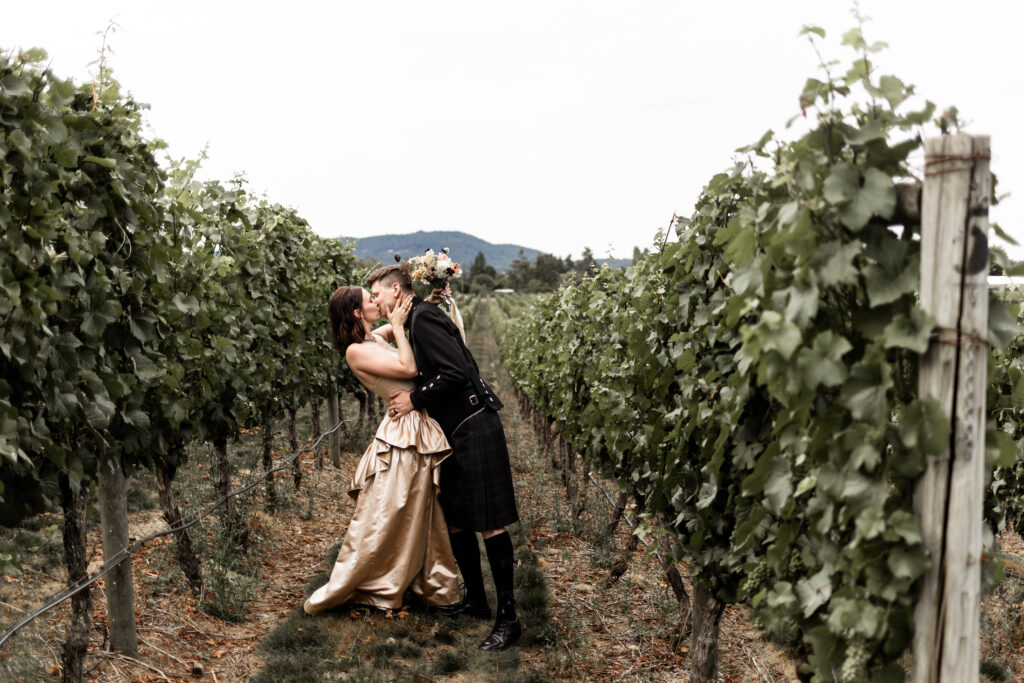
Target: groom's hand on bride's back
(399,403)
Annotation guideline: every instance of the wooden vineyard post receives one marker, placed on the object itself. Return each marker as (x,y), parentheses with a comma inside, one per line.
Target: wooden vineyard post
(314,415)
(333,439)
(114,534)
(954,290)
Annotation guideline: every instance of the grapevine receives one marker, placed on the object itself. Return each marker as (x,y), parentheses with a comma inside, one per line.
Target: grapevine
(142,309)
(755,377)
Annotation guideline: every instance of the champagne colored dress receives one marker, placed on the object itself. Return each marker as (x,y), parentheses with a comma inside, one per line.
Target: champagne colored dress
(397,538)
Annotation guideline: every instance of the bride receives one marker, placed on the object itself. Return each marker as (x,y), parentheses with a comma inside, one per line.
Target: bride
(397,538)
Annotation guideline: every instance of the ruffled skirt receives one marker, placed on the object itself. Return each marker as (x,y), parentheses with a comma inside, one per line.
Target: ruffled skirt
(397,538)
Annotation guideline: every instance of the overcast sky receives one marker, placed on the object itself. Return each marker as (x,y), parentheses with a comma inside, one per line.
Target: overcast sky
(548,124)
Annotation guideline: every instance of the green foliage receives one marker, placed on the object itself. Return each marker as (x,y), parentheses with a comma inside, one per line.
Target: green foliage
(543,275)
(82,258)
(36,549)
(755,378)
(142,309)
(1005,436)
(210,307)
(249,304)
(231,575)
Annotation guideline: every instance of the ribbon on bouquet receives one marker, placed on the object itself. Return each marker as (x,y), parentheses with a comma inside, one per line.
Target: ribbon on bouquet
(437,297)
(456,316)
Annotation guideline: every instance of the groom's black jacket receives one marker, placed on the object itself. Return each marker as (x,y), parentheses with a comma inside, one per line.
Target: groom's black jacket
(449,385)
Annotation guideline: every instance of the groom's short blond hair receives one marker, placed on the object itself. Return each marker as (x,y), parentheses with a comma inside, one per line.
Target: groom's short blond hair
(389,274)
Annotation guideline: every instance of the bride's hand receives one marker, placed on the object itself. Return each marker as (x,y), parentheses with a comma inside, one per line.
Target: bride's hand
(400,313)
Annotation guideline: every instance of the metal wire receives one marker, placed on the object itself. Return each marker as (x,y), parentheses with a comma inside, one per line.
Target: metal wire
(126,552)
(951,336)
(967,165)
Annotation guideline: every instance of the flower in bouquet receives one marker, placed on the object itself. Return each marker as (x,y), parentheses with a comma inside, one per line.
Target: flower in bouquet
(433,268)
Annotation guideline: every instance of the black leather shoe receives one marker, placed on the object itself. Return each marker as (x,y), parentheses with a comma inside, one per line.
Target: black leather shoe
(504,634)
(411,599)
(466,608)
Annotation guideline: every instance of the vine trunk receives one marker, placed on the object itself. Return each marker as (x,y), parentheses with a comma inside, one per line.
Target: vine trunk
(187,559)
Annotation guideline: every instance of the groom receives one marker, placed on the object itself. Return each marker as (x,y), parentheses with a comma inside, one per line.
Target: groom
(476,479)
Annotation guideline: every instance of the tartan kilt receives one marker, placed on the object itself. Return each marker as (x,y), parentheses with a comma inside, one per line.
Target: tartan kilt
(476,479)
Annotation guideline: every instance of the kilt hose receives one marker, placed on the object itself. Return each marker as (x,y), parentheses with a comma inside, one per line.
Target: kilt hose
(476,479)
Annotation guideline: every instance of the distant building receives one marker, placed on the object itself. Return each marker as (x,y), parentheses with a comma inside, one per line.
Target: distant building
(504,291)
(1001,282)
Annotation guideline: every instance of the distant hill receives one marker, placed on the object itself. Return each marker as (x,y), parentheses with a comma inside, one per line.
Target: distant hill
(464,248)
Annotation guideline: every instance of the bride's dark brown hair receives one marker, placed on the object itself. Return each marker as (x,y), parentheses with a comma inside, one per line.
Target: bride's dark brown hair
(346,328)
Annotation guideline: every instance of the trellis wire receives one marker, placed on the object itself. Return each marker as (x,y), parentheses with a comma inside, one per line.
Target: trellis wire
(126,552)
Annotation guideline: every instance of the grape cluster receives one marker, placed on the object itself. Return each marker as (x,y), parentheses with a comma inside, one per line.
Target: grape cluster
(755,578)
(855,664)
(796,563)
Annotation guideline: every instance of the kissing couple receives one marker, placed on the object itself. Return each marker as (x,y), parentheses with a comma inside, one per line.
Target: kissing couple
(437,471)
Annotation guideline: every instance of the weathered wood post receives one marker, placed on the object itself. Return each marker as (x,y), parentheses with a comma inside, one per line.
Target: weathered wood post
(119,589)
(954,290)
(267,432)
(314,415)
(293,444)
(333,439)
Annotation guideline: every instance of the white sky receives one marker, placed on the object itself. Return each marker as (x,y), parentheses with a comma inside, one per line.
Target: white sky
(548,124)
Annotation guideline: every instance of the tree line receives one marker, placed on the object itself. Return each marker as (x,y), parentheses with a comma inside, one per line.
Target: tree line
(546,273)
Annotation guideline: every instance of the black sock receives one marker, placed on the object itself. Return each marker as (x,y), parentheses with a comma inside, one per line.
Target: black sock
(502,560)
(467,556)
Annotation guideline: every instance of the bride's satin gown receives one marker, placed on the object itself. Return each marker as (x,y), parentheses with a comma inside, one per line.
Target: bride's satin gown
(397,537)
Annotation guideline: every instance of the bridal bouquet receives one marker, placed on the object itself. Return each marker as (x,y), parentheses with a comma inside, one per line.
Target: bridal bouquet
(437,270)
(432,268)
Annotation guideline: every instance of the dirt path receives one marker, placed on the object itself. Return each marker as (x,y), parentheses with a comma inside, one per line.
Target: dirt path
(576,628)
